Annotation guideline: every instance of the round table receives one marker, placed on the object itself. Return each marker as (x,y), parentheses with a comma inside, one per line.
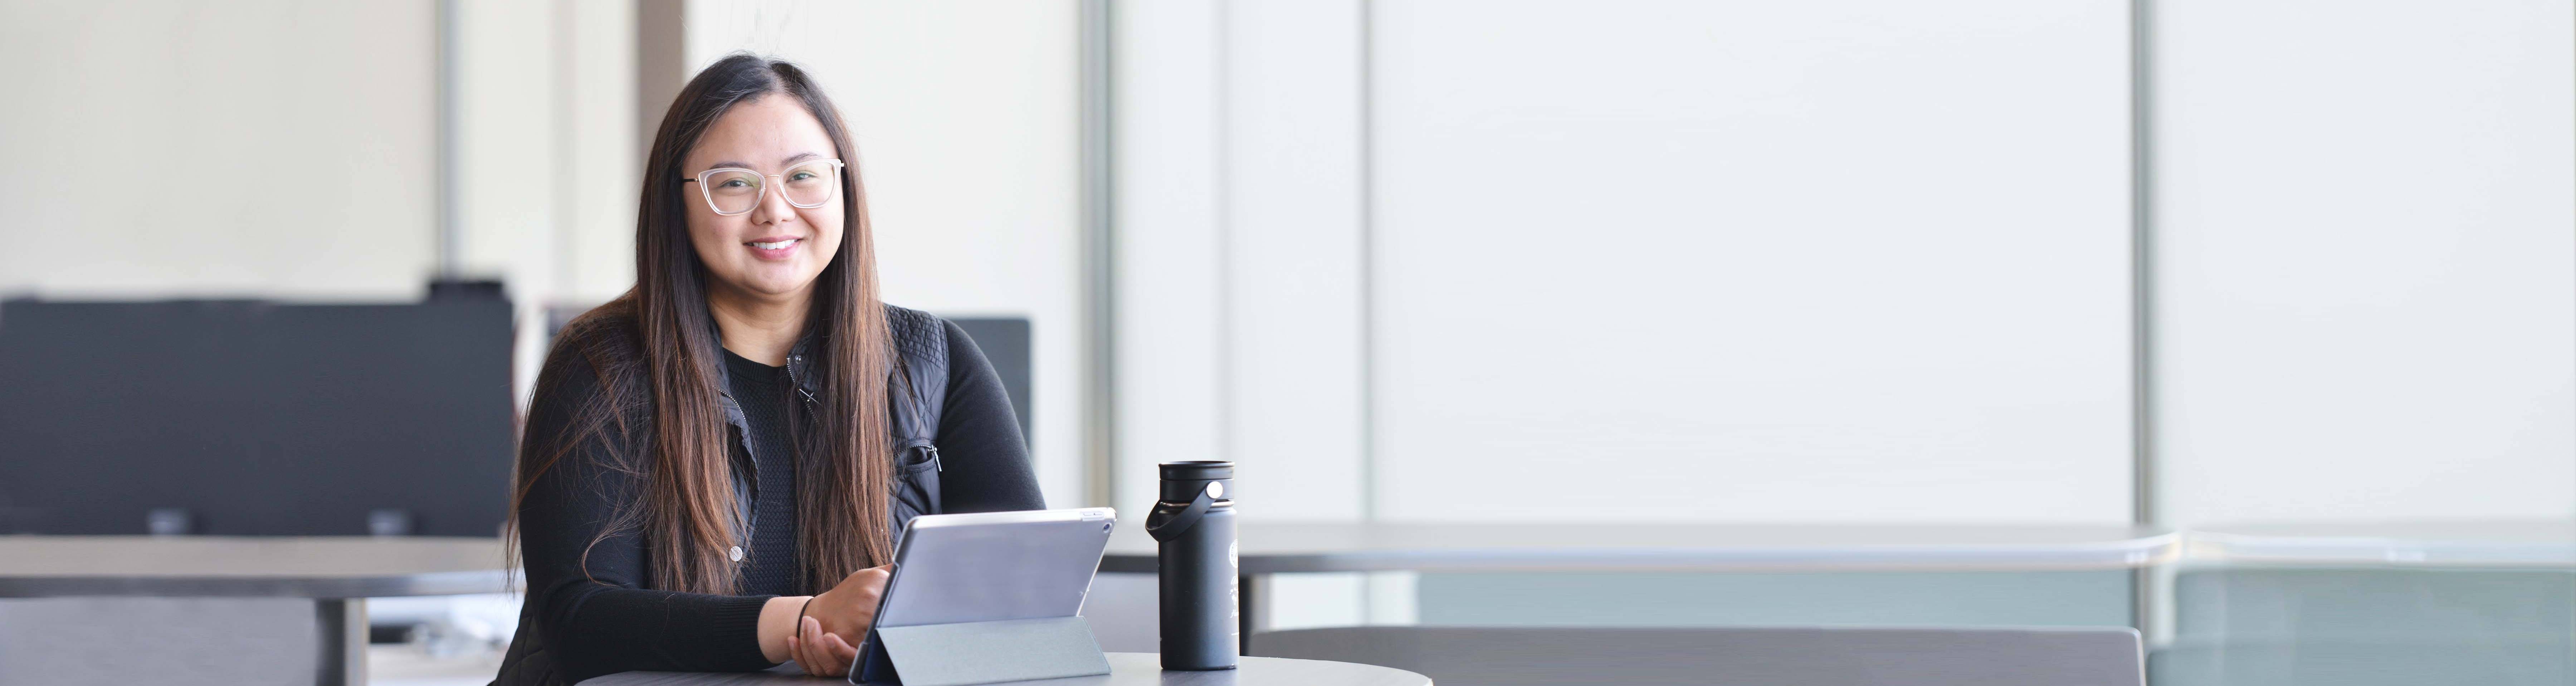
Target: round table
(1125,669)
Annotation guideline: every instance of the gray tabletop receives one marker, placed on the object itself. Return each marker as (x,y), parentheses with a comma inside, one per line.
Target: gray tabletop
(277,567)
(1269,548)
(1125,669)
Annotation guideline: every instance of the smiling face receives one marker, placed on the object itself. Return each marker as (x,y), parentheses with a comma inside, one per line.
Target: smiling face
(774,251)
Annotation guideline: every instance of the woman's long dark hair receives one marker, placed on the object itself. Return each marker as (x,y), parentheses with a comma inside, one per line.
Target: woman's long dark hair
(659,342)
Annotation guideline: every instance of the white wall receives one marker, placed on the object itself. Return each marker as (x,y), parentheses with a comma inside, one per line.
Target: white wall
(1170,359)
(158,149)
(547,155)
(596,211)
(1238,226)
(2366,259)
(271,174)
(1858,260)
(965,115)
(1848,261)
(1291,194)
(1871,253)
(507,161)
(277,175)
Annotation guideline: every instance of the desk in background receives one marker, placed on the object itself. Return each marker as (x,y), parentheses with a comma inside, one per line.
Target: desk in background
(2373,604)
(331,575)
(1521,552)
(1766,656)
(1272,548)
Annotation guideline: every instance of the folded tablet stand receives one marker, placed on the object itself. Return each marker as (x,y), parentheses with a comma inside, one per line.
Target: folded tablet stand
(980,653)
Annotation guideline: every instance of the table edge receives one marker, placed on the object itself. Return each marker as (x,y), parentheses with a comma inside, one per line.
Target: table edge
(237,586)
(2121,554)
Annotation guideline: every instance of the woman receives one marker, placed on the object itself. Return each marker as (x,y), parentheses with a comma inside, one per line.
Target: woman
(715,463)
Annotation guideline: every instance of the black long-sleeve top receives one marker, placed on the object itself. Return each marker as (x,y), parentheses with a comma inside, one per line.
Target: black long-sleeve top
(597,617)
(770,562)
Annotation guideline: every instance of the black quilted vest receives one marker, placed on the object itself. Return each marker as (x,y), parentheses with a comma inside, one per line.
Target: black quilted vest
(915,394)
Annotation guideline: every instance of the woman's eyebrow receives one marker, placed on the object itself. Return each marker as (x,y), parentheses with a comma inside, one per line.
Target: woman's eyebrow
(791,159)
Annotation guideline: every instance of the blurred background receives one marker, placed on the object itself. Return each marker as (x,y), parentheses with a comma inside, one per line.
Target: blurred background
(2292,282)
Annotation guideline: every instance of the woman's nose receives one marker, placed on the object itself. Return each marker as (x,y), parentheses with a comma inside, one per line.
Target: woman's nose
(773,207)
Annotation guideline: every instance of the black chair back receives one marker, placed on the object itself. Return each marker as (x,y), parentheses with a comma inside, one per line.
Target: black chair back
(255,418)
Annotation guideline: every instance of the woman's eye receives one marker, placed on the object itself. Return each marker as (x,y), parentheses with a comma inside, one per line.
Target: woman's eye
(733,183)
(800,176)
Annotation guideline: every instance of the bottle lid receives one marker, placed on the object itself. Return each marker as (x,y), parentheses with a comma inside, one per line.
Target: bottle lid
(1197,470)
(1184,481)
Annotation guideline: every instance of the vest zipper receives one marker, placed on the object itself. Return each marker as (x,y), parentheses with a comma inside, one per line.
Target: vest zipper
(792,361)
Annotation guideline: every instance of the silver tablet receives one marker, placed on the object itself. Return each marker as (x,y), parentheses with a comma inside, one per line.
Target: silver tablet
(992,566)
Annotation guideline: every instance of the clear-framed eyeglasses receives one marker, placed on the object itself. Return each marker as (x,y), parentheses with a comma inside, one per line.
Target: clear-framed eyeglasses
(735,190)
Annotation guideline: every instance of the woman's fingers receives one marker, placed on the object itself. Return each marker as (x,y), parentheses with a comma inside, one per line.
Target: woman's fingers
(827,656)
(842,651)
(800,647)
(817,657)
(839,652)
(803,647)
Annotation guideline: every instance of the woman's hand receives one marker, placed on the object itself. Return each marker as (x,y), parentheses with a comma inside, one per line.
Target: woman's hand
(824,640)
(821,654)
(850,607)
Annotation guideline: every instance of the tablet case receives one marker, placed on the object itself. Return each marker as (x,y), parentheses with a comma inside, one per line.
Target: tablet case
(980,652)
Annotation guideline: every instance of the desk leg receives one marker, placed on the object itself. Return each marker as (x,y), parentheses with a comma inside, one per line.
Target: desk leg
(1250,592)
(341,626)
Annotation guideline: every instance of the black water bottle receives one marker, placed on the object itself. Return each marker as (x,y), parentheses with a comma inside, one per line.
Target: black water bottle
(1194,526)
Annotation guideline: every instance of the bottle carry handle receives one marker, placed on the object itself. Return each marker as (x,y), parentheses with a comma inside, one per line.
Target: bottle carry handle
(1167,527)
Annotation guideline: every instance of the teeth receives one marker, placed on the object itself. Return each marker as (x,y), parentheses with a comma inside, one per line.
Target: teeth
(775,246)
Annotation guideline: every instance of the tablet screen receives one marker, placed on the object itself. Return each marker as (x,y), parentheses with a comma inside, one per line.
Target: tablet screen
(994,566)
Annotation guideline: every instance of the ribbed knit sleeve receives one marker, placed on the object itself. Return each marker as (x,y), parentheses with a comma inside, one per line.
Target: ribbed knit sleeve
(591,605)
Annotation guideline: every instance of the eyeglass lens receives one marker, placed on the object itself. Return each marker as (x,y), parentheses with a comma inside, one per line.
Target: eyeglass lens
(810,184)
